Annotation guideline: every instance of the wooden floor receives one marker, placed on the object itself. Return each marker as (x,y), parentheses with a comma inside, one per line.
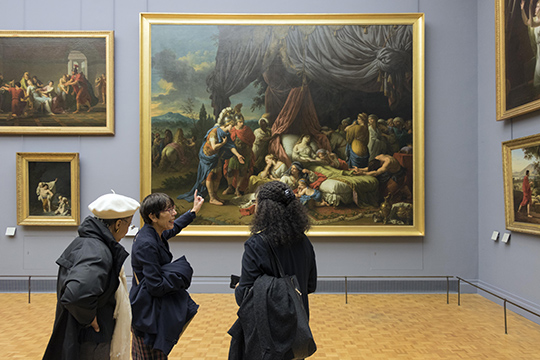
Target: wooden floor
(368,327)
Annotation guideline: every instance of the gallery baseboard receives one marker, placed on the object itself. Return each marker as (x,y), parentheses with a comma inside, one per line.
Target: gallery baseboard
(324,285)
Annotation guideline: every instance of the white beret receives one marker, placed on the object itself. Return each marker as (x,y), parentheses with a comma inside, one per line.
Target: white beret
(113,206)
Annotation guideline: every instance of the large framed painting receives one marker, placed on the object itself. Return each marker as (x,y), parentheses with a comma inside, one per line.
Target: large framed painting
(518,61)
(57,82)
(331,104)
(521,169)
(48,189)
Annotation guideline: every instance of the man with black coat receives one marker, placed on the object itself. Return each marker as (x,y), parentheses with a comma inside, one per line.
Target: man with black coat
(88,279)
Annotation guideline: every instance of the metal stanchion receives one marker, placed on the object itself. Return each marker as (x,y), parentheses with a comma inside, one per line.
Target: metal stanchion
(505,321)
(346,291)
(459,292)
(447,290)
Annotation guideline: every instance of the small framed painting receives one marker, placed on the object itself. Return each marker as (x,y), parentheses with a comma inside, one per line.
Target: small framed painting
(521,167)
(48,189)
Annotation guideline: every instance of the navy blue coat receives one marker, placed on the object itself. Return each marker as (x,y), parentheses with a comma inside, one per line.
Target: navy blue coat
(160,303)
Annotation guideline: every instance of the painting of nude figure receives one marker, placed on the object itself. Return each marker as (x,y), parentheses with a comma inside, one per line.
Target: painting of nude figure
(48,189)
(517,32)
(331,105)
(56,82)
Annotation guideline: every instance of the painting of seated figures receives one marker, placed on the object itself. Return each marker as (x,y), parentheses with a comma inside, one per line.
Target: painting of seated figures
(325,107)
(57,82)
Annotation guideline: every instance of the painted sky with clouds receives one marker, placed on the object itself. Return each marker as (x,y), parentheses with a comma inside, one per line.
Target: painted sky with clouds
(182,58)
(518,160)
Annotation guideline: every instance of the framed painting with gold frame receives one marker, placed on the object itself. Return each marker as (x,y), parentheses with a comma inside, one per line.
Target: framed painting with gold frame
(521,167)
(48,188)
(288,75)
(517,58)
(65,82)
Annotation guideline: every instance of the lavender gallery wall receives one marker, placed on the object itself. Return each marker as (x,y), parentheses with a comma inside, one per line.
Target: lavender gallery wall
(450,246)
(506,269)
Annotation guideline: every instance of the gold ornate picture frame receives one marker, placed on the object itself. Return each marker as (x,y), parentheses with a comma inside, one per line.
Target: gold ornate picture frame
(517,64)
(521,167)
(48,188)
(65,82)
(187,66)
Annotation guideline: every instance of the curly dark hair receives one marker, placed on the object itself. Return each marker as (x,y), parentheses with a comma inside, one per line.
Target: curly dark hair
(279,214)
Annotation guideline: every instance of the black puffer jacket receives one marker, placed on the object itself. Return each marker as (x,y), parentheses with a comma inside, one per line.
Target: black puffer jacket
(87,283)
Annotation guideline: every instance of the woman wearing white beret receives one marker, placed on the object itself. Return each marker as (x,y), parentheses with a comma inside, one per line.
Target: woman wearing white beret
(88,280)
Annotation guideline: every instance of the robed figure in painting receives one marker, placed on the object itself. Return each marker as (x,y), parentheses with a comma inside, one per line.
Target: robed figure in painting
(83,90)
(527,194)
(217,146)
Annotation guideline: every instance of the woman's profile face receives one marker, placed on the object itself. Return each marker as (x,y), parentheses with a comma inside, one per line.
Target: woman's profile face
(295,170)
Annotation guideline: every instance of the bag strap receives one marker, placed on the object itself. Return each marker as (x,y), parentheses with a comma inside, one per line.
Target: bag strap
(134,274)
(136,278)
(274,255)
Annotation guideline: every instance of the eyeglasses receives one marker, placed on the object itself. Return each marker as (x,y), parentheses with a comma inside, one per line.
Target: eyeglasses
(171,210)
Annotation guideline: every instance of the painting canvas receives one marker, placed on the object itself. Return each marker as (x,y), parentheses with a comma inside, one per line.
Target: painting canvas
(521,166)
(518,61)
(56,82)
(48,189)
(332,105)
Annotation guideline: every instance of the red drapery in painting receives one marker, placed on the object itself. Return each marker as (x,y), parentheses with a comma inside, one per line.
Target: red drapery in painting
(298,110)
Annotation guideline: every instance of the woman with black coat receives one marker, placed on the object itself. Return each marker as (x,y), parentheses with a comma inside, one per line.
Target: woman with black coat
(282,220)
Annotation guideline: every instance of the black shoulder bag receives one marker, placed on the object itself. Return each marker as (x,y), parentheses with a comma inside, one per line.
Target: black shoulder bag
(303,345)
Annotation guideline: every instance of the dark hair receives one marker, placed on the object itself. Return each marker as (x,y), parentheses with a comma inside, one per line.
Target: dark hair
(298,165)
(18,84)
(374,164)
(279,214)
(154,204)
